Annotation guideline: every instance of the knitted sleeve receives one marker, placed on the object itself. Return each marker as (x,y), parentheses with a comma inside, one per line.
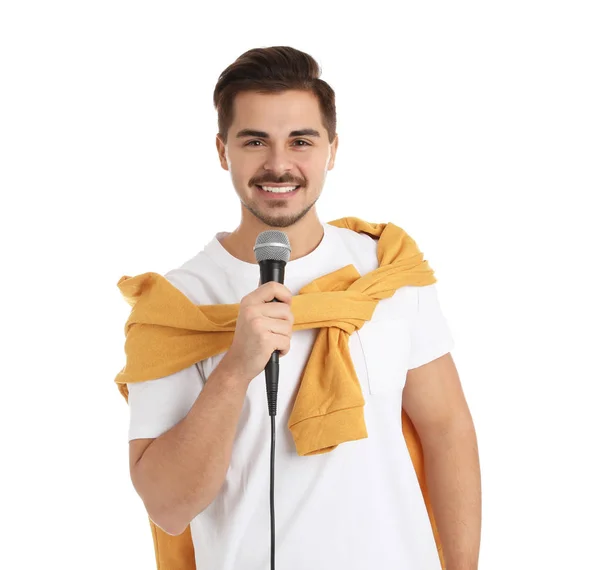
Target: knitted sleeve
(431,336)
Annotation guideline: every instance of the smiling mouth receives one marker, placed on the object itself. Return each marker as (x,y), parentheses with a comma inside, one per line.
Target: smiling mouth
(282,190)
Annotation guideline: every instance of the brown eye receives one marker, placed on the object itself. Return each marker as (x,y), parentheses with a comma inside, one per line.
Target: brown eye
(250,143)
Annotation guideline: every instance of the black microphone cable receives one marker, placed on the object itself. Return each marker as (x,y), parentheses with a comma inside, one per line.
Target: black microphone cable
(272,380)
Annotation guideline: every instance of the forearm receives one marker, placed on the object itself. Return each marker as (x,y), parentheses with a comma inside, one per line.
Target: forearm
(454,483)
(181,472)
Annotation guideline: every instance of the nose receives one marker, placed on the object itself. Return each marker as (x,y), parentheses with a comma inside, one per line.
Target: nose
(278,160)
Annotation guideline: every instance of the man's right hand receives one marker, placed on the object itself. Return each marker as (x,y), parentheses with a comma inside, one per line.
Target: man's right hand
(262,327)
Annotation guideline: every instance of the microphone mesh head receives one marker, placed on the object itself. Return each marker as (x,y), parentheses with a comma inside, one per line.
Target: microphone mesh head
(272,244)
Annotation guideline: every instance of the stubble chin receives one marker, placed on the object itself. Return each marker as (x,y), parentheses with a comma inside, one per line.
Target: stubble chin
(276,218)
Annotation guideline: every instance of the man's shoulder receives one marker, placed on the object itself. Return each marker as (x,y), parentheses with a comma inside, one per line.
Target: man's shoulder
(358,239)
(195,278)
(361,248)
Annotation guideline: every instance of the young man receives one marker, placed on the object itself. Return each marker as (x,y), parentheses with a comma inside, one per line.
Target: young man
(200,438)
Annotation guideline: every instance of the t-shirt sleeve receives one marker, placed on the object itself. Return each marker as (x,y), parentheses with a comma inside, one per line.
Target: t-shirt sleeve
(155,406)
(431,336)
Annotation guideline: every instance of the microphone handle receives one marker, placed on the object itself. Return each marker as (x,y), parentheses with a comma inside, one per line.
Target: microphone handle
(272,270)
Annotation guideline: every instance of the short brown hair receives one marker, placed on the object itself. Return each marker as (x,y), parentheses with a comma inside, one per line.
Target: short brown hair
(271,70)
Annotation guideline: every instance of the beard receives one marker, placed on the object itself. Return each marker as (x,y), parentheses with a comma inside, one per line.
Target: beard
(277,220)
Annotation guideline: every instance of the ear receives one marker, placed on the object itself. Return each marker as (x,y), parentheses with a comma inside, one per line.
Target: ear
(221,149)
(334,147)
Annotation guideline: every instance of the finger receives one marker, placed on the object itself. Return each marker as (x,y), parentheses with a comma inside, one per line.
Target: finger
(272,290)
(277,326)
(276,311)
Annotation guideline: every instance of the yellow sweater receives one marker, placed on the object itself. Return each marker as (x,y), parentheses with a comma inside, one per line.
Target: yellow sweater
(166,332)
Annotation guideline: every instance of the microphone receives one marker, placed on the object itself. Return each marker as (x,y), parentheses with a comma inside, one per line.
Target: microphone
(272,250)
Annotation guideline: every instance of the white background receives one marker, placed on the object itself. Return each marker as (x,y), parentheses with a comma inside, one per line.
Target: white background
(472,125)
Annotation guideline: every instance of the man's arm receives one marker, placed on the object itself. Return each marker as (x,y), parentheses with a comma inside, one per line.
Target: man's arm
(434,401)
(180,472)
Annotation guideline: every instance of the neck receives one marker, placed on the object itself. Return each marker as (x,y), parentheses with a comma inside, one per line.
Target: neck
(305,235)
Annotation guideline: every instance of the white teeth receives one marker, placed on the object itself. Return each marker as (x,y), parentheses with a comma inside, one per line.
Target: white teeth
(279,190)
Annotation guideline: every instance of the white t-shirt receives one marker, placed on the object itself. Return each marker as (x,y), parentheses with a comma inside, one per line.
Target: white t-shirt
(357,507)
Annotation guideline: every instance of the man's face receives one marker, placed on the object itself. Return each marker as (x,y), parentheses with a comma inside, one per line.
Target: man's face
(262,148)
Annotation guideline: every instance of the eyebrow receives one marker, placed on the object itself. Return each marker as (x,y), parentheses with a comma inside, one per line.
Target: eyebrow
(262,134)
